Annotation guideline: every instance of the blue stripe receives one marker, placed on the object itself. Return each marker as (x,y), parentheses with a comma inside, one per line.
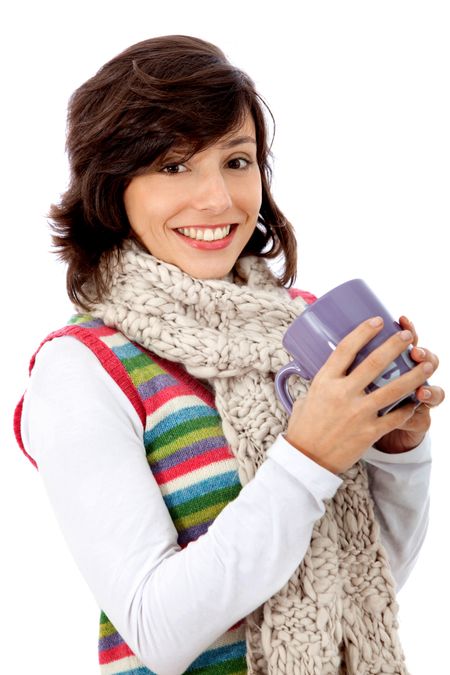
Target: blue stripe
(208,485)
(213,656)
(127,351)
(178,417)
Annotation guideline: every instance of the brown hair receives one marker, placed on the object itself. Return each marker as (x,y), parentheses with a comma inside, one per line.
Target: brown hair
(158,93)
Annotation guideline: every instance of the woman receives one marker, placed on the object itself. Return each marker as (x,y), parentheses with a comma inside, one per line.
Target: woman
(216,534)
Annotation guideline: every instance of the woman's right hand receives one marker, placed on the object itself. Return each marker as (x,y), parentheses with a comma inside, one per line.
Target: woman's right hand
(337,421)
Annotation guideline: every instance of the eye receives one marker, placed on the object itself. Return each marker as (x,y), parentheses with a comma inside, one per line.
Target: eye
(239,163)
(173,169)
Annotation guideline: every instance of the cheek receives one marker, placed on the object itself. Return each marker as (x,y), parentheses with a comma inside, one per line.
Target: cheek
(141,209)
(254,197)
(248,195)
(132,201)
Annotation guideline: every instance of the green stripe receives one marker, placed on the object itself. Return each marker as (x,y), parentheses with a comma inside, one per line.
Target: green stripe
(80,318)
(207,500)
(143,374)
(207,422)
(199,517)
(106,627)
(233,667)
(140,360)
(188,439)
(104,618)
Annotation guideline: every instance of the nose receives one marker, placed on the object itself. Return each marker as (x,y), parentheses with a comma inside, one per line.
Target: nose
(212,193)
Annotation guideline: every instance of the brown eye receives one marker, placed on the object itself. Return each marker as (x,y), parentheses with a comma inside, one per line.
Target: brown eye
(237,163)
(172,169)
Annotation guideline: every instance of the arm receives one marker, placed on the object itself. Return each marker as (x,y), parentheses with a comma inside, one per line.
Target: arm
(399,484)
(168,604)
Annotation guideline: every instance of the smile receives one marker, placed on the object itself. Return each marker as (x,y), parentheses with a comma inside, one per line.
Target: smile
(204,233)
(207,238)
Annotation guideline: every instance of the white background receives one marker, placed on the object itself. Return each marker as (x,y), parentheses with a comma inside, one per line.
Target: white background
(360,94)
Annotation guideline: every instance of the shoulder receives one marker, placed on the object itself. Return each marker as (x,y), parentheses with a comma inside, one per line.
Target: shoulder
(69,387)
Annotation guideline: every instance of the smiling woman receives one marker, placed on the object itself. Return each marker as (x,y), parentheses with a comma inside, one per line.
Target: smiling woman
(201,216)
(217,534)
(185,144)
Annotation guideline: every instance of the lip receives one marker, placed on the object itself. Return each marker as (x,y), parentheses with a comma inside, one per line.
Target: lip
(209,245)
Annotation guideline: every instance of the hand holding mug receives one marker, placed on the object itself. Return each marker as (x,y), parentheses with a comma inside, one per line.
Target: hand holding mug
(412,432)
(337,421)
(361,373)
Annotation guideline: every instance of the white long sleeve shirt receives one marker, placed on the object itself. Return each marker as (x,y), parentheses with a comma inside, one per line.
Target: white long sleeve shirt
(170,604)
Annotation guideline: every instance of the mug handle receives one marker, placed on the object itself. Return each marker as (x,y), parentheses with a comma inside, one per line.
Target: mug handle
(281,381)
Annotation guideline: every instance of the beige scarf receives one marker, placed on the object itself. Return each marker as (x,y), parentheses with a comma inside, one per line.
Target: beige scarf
(337,613)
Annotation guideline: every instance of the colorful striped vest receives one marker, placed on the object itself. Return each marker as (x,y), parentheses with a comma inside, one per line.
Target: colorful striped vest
(189,457)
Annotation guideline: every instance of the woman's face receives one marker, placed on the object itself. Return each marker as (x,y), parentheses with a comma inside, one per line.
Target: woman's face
(200,214)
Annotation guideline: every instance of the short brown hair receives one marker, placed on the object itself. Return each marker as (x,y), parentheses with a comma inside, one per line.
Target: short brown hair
(158,93)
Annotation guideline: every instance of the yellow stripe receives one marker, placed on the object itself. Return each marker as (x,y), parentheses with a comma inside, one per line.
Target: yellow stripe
(106,629)
(199,516)
(141,375)
(183,441)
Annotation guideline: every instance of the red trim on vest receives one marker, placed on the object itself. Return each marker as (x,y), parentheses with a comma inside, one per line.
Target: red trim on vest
(115,368)
(18,432)
(107,358)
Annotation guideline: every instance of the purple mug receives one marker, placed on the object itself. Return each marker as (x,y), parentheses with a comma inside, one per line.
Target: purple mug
(313,336)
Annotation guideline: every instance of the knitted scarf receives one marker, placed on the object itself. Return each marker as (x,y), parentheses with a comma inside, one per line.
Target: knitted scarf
(337,613)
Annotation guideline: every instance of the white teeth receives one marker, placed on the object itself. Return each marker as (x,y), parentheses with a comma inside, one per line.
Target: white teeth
(205,233)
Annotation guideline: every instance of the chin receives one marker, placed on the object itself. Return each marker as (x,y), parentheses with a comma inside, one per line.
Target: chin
(208,271)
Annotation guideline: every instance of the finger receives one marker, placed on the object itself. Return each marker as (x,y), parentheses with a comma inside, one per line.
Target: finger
(379,359)
(420,354)
(396,419)
(400,387)
(407,324)
(430,396)
(345,352)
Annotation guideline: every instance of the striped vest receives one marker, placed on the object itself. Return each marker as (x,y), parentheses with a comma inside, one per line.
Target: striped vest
(189,458)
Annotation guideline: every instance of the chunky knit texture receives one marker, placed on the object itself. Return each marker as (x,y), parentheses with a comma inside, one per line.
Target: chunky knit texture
(337,613)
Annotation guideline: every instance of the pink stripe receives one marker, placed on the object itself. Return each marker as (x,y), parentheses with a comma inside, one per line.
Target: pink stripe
(157,400)
(182,469)
(114,654)
(100,331)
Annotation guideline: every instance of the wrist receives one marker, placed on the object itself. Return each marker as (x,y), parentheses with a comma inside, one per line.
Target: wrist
(393,446)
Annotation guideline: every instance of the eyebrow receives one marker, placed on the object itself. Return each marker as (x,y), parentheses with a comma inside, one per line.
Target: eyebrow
(237,141)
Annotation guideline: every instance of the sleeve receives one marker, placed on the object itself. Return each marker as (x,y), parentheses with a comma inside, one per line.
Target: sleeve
(399,484)
(168,604)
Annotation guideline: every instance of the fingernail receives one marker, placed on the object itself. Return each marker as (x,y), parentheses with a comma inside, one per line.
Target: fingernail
(376,321)
(406,335)
(426,393)
(421,352)
(427,368)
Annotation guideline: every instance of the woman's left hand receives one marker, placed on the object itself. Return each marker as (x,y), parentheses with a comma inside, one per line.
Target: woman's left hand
(411,434)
